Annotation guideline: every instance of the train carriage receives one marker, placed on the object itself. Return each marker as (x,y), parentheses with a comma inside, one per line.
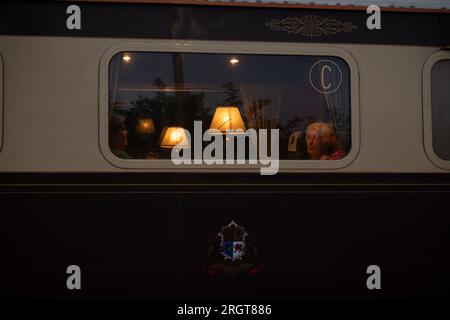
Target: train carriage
(344,116)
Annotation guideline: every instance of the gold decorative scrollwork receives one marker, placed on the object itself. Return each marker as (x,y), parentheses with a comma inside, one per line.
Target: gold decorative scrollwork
(310,26)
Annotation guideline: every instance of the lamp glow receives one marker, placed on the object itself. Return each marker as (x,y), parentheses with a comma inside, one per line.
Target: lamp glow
(126,58)
(174,137)
(145,126)
(234,61)
(227,118)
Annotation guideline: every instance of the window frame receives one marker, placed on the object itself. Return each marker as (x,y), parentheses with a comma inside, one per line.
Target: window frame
(226,47)
(427,109)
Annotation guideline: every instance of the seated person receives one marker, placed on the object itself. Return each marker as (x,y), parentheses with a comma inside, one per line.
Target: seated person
(322,142)
(118,137)
(297,145)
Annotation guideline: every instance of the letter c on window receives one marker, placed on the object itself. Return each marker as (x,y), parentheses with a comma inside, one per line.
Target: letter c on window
(322,74)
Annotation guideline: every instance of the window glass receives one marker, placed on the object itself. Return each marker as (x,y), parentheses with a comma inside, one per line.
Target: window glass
(153,96)
(440,108)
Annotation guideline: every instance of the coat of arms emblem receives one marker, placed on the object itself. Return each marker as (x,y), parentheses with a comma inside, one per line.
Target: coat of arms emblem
(232,245)
(232,252)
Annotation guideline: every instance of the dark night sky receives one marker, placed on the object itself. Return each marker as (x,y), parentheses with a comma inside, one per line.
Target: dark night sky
(287,76)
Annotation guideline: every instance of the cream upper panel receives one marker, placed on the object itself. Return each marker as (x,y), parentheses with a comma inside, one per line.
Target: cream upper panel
(51,105)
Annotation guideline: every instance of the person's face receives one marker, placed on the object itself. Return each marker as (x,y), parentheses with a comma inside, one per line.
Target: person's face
(120,140)
(315,143)
(124,138)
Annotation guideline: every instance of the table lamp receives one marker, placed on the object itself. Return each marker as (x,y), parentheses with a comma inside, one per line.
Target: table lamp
(174,137)
(227,118)
(145,126)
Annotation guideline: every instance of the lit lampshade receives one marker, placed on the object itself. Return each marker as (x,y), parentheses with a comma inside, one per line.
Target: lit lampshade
(226,118)
(145,126)
(174,136)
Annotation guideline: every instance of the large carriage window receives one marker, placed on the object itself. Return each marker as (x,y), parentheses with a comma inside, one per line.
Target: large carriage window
(154,96)
(440,108)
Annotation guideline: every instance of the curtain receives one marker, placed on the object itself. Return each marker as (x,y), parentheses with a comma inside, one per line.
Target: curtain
(114,76)
(338,105)
(261,105)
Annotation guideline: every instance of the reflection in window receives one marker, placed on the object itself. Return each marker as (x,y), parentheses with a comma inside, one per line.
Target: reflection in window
(440,108)
(154,96)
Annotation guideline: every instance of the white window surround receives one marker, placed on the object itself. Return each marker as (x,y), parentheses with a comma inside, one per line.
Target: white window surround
(427,109)
(225,47)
